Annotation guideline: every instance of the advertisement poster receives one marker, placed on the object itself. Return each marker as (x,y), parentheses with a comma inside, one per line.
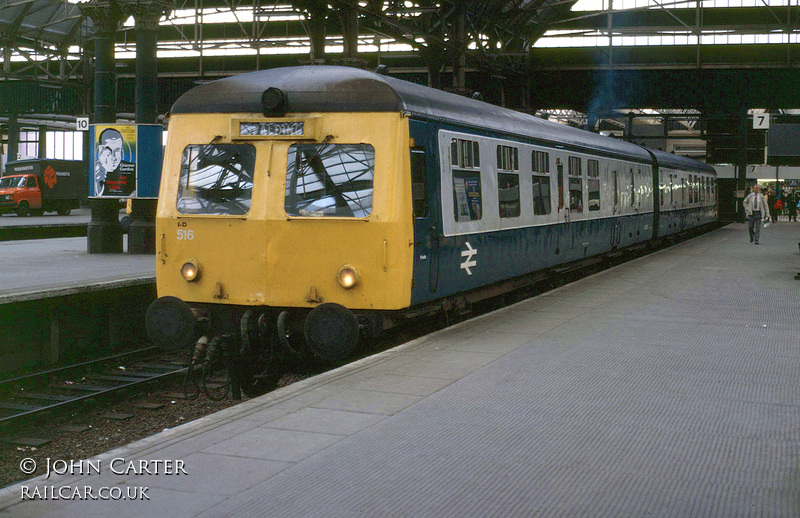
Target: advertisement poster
(115,160)
(467,193)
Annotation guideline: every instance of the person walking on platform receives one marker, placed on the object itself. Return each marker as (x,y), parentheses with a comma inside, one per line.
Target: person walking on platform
(791,206)
(755,205)
(770,216)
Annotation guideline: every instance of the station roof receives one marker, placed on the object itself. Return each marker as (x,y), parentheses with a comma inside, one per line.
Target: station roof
(38,22)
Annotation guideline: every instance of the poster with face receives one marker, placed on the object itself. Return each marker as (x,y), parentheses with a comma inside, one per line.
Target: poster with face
(115,160)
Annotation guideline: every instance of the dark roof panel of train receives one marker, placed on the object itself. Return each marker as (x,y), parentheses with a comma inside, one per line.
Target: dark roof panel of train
(681,162)
(345,89)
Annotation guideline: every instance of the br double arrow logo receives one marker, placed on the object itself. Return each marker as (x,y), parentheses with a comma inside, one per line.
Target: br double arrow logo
(469,262)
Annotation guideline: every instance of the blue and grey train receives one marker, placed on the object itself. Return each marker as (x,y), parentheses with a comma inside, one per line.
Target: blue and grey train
(329,202)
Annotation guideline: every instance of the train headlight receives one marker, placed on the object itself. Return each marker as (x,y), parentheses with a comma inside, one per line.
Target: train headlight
(348,276)
(191,270)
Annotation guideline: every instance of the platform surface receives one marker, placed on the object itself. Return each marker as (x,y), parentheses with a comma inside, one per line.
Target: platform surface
(668,386)
(78,216)
(40,268)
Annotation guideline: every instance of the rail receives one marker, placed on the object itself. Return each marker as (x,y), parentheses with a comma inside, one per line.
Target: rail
(22,403)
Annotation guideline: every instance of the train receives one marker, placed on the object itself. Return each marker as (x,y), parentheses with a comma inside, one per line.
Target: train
(304,208)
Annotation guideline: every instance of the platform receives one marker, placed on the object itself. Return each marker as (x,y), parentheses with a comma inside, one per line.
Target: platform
(667,386)
(42,268)
(78,216)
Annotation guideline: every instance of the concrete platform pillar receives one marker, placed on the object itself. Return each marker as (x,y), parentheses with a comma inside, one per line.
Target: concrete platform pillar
(142,233)
(104,233)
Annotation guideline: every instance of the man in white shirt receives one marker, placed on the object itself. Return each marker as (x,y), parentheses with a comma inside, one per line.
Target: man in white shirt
(755,206)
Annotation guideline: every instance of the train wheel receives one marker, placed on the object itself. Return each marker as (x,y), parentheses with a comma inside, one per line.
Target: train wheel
(254,385)
(191,383)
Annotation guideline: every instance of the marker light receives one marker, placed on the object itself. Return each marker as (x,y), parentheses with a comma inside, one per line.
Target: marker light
(348,276)
(190,270)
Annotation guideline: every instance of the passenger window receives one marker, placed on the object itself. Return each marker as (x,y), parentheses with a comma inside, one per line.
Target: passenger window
(671,195)
(683,192)
(467,201)
(419,190)
(541,195)
(696,188)
(633,189)
(540,161)
(465,153)
(616,191)
(31,182)
(575,185)
(507,158)
(593,173)
(508,182)
(508,195)
(560,168)
(329,180)
(702,189)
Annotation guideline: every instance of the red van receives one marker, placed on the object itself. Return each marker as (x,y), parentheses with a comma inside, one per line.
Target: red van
(42,185)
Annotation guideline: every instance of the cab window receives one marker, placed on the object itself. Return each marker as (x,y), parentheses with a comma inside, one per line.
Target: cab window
(330,180)
(216,179)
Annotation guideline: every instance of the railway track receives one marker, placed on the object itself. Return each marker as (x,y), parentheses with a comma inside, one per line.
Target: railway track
(30,395)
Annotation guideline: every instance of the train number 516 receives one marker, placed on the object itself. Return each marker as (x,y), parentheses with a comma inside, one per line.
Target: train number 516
(185,235)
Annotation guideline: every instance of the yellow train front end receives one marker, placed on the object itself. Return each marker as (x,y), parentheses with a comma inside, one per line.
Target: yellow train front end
(303,219)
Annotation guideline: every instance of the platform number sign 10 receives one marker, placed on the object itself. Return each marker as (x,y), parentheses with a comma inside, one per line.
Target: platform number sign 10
(761,121)
(82,124)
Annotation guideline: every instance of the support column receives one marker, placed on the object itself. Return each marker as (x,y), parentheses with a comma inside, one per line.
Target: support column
(104,234)
(13,137)
(741,161)
(42,148)
(348,18)
(435,57)
(460,63)
(142,232)
(315,11)
(147,17)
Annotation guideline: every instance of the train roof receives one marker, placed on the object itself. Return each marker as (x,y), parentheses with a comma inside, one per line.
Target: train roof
(681,162)
(322,88)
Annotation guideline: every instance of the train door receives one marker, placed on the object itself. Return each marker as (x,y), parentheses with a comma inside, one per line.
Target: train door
(563,193)
(616,226)
(683,204)
(427,225)
(658,199)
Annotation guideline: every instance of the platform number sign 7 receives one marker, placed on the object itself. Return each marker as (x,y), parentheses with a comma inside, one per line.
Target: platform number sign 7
(761,121)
